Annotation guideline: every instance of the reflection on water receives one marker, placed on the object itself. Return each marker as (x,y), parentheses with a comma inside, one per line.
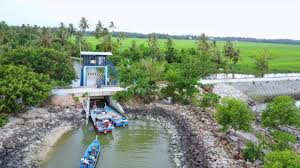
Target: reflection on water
(141,144)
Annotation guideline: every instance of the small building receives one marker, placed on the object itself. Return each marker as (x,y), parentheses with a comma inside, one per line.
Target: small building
(92,63)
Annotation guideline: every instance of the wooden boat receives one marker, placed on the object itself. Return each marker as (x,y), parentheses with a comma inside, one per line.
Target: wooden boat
(117,119)
(102,121)
(91,155)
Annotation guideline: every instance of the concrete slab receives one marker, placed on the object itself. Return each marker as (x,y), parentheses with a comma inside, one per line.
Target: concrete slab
(85,91)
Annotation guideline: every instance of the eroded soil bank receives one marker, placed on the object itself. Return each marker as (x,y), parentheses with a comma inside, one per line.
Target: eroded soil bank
(27,138)
(195,137)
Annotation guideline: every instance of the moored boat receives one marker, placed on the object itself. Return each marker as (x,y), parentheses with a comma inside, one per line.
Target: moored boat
(117,119)
(102,121)
(91,155)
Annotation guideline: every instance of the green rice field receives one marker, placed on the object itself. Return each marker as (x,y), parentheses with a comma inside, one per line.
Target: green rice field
(285,57)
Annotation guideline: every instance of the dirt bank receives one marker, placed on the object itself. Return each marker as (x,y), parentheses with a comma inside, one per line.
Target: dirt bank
(26,139)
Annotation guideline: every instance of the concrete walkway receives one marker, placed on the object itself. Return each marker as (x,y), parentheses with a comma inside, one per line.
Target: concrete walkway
(103,91)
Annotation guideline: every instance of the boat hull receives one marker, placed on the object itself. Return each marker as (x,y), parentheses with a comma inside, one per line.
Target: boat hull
(95,152)
(102,121)
(104,130)
(121,122)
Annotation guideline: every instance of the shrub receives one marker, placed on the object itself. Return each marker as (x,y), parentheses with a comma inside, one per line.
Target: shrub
(122,96)
(209,100)
(283,140)
(254,151)
(281,111)
(261,62)
(3,119)
(234,113)
(56,64)
(183,78)
(282,159)
(20,87)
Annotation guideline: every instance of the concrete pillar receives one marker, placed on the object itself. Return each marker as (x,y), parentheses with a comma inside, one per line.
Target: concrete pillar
(81,76)
(87,110)
(106,75)
(84,76)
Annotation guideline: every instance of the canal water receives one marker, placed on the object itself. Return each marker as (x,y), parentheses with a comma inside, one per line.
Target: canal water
(141,144)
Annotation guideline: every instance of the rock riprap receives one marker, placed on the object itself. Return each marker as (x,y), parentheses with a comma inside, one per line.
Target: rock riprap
(195,138)
(25,140)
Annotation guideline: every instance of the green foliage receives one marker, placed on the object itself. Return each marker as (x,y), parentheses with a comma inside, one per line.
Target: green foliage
(217,58)
(231,52)
(183,78)
(21,88)
(122,96)
(281,111)
(261,62)
(209,100)
(234,113)
(255,151)
(203,44)
(155,52)
(133,53)
(282,159)
(285,57)
(141,77)
(104,34)
(41,60)
(283,140)
(4,118)
(171,53)
(210,48)
(83,24)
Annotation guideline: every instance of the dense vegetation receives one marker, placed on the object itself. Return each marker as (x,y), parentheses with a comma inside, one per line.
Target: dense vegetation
(281,111)
(282,159)
(282,58)
(42,60)
(20,87)
(149,71)
(235,114)
(276,150)
(33,60)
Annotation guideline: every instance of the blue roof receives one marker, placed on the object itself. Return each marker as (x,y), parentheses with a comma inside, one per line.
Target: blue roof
(83,53)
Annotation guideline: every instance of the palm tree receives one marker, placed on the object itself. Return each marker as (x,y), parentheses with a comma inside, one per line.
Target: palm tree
(99,30)
(83,24)
(71,29)
(108,44)
(45,38)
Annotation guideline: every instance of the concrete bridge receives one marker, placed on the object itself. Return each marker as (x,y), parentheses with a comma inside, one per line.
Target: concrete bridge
(87,91)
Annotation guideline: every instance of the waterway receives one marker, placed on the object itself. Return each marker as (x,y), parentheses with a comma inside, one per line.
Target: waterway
(141,144)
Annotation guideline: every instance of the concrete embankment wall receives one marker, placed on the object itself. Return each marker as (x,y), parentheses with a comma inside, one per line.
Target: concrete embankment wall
(267,90)
(259,91)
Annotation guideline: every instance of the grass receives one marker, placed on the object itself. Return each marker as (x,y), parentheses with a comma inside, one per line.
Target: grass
(285,57)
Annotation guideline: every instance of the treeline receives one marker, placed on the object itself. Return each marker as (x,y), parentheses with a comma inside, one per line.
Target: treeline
(195,37)
(33,60)
(141,68)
